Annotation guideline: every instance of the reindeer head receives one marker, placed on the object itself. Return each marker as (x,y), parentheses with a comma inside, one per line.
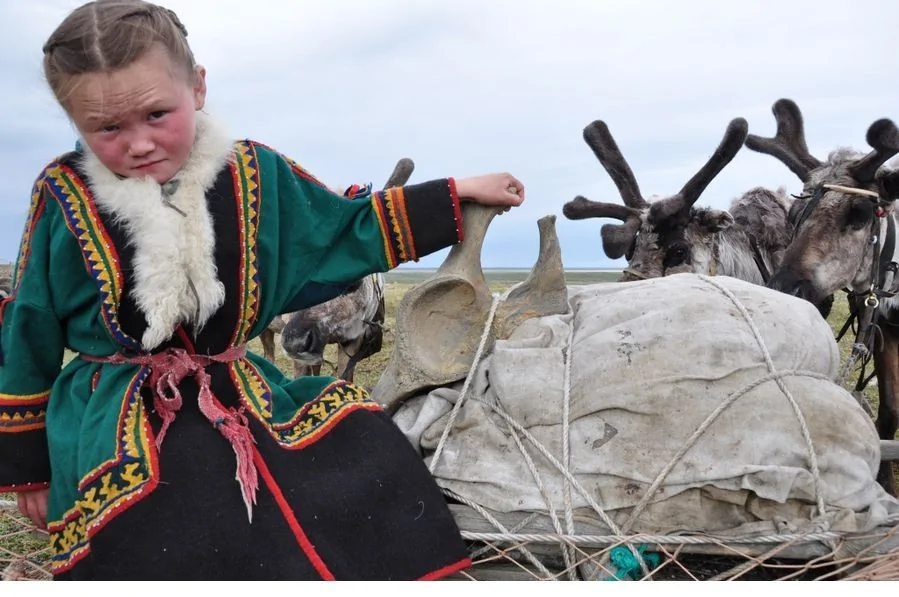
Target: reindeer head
(354,317)
(839,215)
(668,235)
(349,319)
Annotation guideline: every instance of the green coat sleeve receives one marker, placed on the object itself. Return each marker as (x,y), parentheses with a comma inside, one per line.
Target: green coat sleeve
(326,242)
(31,354)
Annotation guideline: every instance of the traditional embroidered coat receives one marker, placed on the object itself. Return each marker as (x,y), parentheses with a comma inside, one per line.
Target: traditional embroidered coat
(123,266)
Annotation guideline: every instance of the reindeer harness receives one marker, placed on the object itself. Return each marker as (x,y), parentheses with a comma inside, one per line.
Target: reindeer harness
(881,280)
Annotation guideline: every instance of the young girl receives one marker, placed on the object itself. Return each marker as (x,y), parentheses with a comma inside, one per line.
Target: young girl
(155,252)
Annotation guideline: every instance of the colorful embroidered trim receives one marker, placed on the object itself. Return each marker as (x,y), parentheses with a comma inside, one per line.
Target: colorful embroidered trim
(247,192)
(317,417)
(99,253)
(457,209)
(254,392)
(35,210)
(389,247)
(390,209)
(112,487)
(23,412)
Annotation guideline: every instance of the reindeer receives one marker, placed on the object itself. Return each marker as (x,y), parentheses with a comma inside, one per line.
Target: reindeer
(5,280)
(670,235)
(354,321)
(844,227)
(276,326)
(267,337)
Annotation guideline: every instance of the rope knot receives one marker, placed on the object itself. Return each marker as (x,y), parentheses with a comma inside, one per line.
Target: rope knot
(167,370)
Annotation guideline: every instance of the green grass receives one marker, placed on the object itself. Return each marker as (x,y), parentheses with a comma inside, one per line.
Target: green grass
(837,318)
(15,538)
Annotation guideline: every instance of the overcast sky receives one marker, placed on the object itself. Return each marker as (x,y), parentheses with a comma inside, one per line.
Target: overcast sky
(346,87)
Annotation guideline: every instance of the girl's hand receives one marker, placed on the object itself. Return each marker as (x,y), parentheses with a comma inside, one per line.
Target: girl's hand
(501,190)
(33,504)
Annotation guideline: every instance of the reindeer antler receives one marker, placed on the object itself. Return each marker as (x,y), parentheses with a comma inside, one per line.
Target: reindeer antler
(883,136)
(401,173)
(616,238)
(581,208)
(600,140)
(680,203)
(788,143)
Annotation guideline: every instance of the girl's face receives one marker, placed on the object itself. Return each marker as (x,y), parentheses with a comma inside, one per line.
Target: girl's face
(140,120)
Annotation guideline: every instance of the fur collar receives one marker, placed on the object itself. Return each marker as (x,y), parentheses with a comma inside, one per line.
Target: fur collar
(175,277)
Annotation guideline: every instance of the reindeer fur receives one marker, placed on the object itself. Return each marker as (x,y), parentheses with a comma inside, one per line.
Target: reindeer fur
(833,244)
(668,235)
(353,321)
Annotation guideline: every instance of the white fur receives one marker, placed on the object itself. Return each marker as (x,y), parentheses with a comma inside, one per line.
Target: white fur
(170,249)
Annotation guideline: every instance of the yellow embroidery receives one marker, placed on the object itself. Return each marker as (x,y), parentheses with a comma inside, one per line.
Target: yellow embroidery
(317,417)
(25,412)
(97,248)
(248,194)
(111,487)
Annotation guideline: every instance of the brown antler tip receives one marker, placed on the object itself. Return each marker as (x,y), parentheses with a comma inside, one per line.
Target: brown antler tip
(738,127)
(600,140)
(573,209)
(597,128)
(788,143)
(581,208)
(786,110)
(401,174)
(883,134)
(618,238)
(784,104)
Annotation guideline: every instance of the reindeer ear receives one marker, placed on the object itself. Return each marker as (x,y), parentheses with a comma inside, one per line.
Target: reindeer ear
(617,239)
(715,220)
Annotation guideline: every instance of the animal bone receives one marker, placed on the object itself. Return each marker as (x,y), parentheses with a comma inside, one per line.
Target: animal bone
(543,292)
(440,322)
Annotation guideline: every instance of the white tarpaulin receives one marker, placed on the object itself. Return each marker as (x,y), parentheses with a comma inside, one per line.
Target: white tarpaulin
(651,363)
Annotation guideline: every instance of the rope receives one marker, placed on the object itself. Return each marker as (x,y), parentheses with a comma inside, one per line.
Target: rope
(485,338)
(620,536)
(588,540)
(654,487)
(769,362)
(496,523)
(566,446)
(564,469)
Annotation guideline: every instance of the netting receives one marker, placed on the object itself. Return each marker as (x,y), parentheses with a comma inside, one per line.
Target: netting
(527,552)
(526,556)
(562,463)
(24,551)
